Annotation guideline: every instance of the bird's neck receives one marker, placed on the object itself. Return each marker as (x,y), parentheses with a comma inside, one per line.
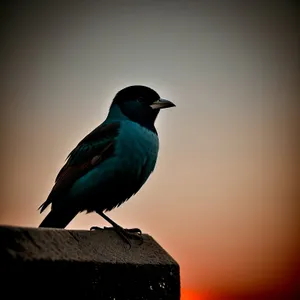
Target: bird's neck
(116,114)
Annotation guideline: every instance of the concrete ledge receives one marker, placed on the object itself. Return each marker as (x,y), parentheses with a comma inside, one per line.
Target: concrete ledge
(86,264)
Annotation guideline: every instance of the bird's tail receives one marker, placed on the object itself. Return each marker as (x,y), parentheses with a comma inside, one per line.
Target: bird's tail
(58,219)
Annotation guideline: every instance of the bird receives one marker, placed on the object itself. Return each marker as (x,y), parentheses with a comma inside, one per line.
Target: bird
(111,163)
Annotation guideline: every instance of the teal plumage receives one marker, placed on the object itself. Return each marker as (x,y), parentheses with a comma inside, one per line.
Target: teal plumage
(112,162)
(134,159)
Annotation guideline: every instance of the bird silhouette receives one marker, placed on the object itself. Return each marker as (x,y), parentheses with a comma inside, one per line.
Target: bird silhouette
(111,163)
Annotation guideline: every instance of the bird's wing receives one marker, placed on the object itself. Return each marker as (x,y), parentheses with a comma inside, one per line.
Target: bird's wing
(91,151)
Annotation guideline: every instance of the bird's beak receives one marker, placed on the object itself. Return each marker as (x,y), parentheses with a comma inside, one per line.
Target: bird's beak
(162,103)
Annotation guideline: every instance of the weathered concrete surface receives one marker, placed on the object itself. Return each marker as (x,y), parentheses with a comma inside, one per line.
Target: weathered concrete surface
(84,264)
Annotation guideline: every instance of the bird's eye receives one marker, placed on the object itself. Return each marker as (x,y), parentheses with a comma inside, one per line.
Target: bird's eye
(140,99)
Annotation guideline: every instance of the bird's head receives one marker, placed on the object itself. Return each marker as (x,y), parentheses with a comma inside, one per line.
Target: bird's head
(140,104)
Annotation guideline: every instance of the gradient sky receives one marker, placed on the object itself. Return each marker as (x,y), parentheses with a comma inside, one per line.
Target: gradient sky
(222,200)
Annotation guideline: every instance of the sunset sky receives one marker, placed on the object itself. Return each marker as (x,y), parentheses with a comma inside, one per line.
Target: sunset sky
(223,198)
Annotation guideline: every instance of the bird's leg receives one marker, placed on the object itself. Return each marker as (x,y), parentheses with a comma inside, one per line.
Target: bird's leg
(123,232)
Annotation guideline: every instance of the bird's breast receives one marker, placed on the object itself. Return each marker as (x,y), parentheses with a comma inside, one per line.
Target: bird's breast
(137,145)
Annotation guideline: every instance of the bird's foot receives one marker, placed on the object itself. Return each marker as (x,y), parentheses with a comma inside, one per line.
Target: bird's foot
(125,233)
(96,228)
(130,233)
(135,231)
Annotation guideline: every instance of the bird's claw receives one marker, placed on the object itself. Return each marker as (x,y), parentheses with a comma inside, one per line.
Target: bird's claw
(124,233)
(133,230)
(96,228)
(130,233)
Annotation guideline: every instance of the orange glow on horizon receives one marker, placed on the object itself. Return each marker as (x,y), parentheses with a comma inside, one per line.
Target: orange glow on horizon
(190,295)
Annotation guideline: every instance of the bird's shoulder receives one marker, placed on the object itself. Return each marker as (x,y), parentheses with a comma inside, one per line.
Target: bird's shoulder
(94,142)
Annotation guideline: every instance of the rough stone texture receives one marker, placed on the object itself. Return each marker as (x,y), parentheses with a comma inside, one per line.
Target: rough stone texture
(84,264)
